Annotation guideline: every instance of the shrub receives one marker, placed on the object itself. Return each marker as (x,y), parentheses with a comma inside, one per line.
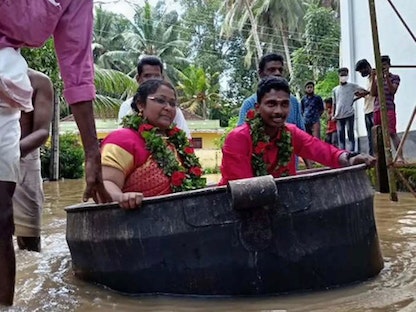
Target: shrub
(409,173)
(45,160)
(71,157)
(325,86)
(214,170)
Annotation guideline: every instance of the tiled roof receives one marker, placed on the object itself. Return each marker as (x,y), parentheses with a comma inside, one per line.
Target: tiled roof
(190,116)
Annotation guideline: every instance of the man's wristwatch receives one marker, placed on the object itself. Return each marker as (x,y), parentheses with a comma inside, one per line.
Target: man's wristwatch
(351,155)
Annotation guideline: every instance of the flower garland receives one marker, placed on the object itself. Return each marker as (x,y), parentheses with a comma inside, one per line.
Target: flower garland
(261,141)
(184,175)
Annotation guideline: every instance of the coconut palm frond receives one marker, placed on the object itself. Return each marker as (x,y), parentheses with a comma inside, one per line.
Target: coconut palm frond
(114,84)
(106,106)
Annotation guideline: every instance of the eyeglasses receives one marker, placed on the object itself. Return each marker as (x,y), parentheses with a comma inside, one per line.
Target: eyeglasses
(162,101)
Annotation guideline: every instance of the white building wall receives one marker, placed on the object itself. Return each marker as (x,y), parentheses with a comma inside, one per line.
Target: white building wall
(356,44)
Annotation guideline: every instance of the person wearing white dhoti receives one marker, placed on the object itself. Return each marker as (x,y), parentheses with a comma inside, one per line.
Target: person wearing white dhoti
(28,202)
(28,196)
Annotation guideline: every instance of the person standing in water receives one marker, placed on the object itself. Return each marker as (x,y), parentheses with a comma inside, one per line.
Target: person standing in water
(28,195)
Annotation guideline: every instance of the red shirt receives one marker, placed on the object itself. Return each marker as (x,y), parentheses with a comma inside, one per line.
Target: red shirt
(238,149)
(332,126)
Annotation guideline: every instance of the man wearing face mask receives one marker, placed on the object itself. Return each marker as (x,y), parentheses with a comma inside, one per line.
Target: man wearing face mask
(344,95)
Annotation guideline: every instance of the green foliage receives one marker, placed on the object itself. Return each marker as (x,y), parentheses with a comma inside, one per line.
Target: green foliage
(272,25)
(198,90)
(320,53)
(201,24)
(223,111)
(409,173)
(324,89)
(107,37)
(71,157)
(322,36)
(214,170)
(324,124)
(241,80)
(281,23)
(118,42)
(195,38)
(113,87)
(44,60)
(325,86)
(302,70)
(45,161)
(207,49)
(156,31)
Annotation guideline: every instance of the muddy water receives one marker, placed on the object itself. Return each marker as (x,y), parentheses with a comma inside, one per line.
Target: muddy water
(45,281)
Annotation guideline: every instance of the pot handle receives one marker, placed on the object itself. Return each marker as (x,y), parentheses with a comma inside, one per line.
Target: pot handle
(252,193)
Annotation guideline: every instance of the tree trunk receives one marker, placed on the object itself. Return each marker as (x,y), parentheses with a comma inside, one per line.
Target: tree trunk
(54,164)
(253,23)
(326,3)
(285,41)
(204,109)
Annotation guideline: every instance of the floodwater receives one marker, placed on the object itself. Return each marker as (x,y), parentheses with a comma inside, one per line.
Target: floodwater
(45,281)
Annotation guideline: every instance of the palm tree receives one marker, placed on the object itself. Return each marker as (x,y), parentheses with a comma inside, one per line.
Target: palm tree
(107,38)
(118,42)
(155,32)
(198,93)
(269,19)
(237,13)
(282,19)
(113,87)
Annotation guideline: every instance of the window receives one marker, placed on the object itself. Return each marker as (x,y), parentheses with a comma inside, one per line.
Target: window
(197,142)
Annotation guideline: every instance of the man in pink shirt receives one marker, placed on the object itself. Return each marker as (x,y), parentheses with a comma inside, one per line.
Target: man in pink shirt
(29,24)
(266,144)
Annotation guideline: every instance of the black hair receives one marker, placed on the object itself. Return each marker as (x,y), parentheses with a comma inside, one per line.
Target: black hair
(385,59)
(149,60)
(271,83)
(328,100)
(362,64)
(270,58)
(309,83)
(343,69)
(146,88)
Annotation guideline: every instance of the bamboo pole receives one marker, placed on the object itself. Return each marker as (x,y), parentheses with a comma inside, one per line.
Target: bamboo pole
(382,100)
(54,166)
(405,182)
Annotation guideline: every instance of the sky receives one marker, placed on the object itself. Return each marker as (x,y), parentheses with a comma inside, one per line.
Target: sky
(125,6)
